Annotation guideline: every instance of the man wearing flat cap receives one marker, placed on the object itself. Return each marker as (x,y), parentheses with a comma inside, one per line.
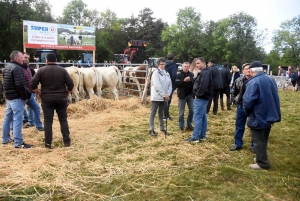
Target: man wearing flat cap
(262,106)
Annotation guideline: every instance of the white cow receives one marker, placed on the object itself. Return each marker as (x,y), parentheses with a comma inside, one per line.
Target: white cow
(92,81)
(77,39)
(77,78)
(112,78)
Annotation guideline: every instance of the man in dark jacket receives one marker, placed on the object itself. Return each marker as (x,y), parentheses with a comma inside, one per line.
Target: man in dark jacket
(34,114)
(184,83)
(262,106)
(238,91)
(226,79)
(217,86)
(171,68)
(16,95)
(297,74)
(202,91)
(54,96)
(2,98)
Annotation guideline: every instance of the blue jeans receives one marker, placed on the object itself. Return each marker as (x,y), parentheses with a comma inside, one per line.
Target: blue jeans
(14,113)
(25,115)
(181,107)
(34,115)
(240,123)
(200,118)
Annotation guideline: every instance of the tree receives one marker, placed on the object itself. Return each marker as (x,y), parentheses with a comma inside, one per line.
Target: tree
(183,39)
(75,13)
(11,22)
(287,41)
(237,40)
(148,29)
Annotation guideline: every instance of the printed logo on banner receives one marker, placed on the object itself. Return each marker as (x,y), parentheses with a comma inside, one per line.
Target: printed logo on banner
(52,29)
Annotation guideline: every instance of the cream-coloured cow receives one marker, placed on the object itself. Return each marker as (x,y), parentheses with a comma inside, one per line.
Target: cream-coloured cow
(77,78)
(92,81)
(112,78)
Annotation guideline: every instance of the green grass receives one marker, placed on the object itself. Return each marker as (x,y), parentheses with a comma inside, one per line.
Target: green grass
(131,165)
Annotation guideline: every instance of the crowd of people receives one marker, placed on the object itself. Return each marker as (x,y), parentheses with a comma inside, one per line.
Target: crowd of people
(199,84)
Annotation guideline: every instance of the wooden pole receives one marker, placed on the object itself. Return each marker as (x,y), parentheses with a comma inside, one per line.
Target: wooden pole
(148,81)
(94,57)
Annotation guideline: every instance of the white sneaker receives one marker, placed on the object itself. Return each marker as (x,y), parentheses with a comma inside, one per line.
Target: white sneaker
(255,166)
(254,160)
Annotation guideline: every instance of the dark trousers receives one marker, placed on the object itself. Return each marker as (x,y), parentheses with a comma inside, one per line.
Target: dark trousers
(225,90)
(260,139)
(215,98)
(61,110)
(167,113)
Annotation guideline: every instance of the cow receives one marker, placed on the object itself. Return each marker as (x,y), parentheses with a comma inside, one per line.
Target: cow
(77,77)
(111,77)
(134,78)
(92,81)
(74,39)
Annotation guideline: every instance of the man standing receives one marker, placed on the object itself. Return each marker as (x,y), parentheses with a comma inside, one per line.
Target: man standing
(202,91)
(238,91)
(171,68)
(16,95)
(184,83)
(226,79)
(34,114)
(217,86)
(54,96)
(262,106)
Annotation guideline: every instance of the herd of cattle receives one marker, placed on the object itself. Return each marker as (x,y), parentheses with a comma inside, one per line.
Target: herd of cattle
(91,81)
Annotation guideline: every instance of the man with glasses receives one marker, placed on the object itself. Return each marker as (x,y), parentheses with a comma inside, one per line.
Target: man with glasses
(238,91)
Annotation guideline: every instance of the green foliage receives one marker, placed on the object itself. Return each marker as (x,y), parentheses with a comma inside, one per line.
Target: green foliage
(75,13)
(286,41)
(234,39)
(184,38)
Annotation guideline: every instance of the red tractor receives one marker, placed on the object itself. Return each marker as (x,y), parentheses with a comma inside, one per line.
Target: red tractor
(132,48)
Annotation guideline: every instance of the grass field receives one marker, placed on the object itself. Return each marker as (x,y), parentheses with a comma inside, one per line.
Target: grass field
(113,157)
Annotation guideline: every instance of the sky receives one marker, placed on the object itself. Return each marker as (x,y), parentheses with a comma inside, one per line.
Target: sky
(268,13)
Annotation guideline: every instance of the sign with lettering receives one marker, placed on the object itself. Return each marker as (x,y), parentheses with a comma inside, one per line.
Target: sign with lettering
(137,43)
(42,35)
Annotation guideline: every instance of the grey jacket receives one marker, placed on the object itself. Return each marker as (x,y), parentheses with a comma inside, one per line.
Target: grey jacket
(161,85)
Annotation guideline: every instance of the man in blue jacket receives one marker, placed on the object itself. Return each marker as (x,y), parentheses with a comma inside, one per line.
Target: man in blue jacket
(171,68)
(262,106)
